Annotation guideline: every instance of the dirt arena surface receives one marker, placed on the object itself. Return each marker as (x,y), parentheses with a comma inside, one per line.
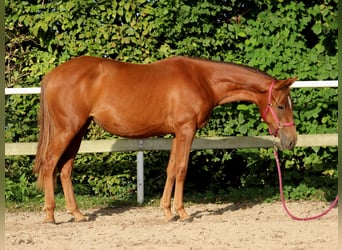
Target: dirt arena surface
(214,226)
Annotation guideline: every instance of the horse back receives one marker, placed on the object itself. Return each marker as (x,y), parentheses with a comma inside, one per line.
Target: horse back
(127,99)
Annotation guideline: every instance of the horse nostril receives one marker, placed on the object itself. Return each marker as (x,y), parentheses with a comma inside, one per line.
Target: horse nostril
(288,144)
(292,144)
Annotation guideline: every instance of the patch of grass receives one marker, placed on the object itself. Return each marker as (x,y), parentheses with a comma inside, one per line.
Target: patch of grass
(84,202)
(255,195)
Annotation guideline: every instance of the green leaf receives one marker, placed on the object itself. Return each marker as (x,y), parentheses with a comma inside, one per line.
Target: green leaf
(242,107)
(241,34)
(317,28)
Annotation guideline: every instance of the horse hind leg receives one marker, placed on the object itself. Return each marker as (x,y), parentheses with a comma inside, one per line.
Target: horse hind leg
(57,145)
(65,166)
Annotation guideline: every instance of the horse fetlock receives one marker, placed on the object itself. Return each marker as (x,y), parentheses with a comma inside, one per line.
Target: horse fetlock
(167,211)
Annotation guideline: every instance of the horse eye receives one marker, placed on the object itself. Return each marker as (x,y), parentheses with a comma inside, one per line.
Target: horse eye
(281,107)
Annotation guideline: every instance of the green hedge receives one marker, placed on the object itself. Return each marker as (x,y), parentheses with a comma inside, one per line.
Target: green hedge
(283,38)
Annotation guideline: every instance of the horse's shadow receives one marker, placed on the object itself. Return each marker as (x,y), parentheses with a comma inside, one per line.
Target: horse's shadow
(107,211)
(231,207)
(112,210)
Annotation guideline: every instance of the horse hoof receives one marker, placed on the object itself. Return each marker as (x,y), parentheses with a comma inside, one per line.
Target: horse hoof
(83,219)
(187,219)
(172,219)
(50,221)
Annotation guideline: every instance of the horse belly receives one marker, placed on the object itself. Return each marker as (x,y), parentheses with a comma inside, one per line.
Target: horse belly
(132,123)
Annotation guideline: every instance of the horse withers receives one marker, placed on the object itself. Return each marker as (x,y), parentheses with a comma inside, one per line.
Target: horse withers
(172,96)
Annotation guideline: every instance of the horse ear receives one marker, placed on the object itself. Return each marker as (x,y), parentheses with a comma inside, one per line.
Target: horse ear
(285,84)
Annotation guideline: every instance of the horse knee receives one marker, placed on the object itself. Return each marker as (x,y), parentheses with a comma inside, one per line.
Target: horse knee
(181,173)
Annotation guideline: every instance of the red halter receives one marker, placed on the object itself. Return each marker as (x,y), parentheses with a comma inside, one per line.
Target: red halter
(275,117)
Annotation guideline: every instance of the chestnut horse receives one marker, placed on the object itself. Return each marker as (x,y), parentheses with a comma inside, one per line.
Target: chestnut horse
(171,96)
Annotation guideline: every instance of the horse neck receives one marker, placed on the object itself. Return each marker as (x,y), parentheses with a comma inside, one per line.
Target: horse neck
(231,82)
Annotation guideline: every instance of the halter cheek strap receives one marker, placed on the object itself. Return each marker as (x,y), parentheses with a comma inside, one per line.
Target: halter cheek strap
(269,108)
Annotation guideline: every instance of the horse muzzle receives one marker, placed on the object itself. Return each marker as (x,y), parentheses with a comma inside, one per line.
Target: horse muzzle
(287,140)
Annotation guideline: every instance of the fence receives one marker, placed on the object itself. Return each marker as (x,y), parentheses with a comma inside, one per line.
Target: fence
(115,145)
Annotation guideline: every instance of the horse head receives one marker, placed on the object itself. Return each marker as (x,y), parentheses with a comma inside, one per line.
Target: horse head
(276,110)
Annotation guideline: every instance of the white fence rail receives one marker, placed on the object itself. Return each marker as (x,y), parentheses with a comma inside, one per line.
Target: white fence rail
(298,84)
(29,148)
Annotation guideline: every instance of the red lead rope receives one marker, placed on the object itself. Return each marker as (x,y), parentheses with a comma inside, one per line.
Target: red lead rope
(274,133)
(283,200)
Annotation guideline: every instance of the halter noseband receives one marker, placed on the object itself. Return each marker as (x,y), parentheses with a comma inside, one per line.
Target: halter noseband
(275,117)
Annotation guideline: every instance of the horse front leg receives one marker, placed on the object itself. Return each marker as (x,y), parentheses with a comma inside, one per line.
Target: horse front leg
(182,153)
(165,202)
(176,172)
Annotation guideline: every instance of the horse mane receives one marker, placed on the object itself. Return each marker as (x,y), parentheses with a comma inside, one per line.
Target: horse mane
(246,67)
(249,68)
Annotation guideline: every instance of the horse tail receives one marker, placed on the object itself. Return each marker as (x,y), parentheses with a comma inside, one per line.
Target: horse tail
(44,137)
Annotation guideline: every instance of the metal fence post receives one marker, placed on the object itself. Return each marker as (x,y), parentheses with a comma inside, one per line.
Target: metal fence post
(140,174)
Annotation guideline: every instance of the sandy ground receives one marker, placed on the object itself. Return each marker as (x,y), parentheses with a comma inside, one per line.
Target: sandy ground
(214,226)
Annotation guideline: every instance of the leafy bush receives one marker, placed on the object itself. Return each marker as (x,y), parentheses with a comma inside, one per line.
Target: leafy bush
(283,38)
